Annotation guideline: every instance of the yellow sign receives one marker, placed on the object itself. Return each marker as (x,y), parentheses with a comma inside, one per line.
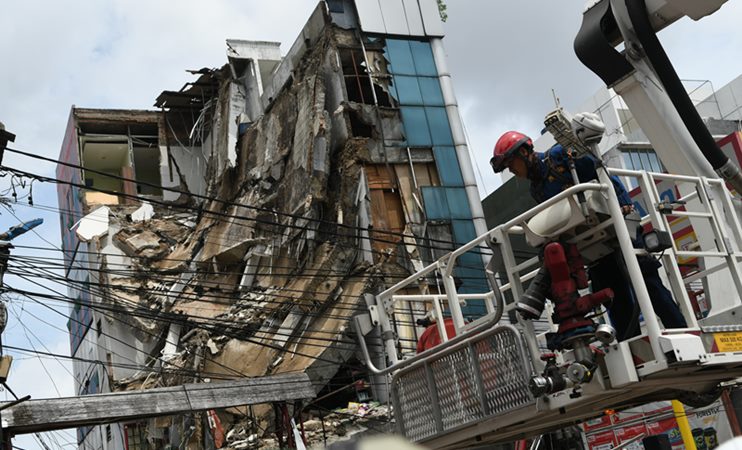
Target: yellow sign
(729,342)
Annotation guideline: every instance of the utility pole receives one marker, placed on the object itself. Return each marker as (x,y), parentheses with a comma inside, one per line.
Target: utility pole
(5,246)
(5,137)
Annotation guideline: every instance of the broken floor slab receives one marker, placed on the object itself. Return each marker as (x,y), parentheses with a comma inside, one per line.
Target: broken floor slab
(144,244)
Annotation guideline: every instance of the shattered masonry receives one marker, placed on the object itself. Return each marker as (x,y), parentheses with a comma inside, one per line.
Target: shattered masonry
(300,157)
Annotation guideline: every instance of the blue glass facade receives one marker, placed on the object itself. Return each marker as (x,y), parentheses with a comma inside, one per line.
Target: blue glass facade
(417,89)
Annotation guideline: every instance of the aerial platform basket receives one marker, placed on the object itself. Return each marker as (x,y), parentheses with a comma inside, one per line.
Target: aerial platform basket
(474,389)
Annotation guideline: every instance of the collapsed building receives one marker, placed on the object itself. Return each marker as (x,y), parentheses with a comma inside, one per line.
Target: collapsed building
(235,230)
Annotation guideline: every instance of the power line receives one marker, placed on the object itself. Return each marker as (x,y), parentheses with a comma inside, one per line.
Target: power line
(232,335)
(179,321)
(26,331)
(202,197)
(236,218)
(210,298)
(231,299)
(283,349)
(98,289)
(185,371)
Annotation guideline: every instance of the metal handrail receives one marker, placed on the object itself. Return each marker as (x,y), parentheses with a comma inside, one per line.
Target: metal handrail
(446,260)
(459,339)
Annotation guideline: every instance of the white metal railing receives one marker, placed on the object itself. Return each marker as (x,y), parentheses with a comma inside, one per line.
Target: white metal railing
(444,266)
(709,209)
(707,201)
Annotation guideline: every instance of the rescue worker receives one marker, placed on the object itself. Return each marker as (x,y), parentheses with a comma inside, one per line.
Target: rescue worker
(549,174)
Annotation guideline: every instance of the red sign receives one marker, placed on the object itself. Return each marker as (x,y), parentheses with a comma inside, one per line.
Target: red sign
(628,416)
(632,432)
(596,424)
(602,441)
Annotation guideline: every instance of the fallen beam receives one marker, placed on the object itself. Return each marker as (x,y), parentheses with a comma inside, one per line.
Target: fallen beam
(70,412)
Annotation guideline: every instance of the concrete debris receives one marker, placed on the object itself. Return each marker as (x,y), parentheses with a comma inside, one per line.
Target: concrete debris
(93,225)
(138,243)
(145,212)
(344,423)
(212,346)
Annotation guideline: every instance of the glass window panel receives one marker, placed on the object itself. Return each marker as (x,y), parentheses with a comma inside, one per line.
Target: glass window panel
(627,161)
(470,259)
(431,91)
(458,204)
(656,164)
(416,126)
(423,57)
(635,161)
(336,6)
(440,129)
(436,206)
(646,163)
(408,90)
(400,57)
(473,282)
(463,231)
(448,166)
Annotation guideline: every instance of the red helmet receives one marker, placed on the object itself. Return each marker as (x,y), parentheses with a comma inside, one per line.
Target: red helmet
(507,147)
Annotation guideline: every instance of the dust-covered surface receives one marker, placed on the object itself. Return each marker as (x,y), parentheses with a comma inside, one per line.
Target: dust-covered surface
(261,274)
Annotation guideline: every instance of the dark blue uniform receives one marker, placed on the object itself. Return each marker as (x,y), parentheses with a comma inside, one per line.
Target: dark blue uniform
(549,177)
(552,175)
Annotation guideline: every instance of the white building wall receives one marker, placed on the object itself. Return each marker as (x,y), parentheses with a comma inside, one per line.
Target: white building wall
(107,339)
(726,103)
(400,17)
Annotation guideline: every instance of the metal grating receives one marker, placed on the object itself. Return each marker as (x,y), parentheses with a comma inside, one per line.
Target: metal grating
(458,396)
(412,405)
(474,379)
(504,373)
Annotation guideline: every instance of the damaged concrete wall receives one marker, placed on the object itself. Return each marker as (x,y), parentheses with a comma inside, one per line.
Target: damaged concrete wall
(263,278)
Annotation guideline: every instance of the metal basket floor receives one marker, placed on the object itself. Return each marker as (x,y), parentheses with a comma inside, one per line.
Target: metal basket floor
(479,378)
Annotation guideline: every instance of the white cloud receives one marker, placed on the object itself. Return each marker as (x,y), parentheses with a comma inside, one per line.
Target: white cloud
(506,57)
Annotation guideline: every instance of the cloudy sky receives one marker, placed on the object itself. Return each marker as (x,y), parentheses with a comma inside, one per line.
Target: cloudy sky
(505,56)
